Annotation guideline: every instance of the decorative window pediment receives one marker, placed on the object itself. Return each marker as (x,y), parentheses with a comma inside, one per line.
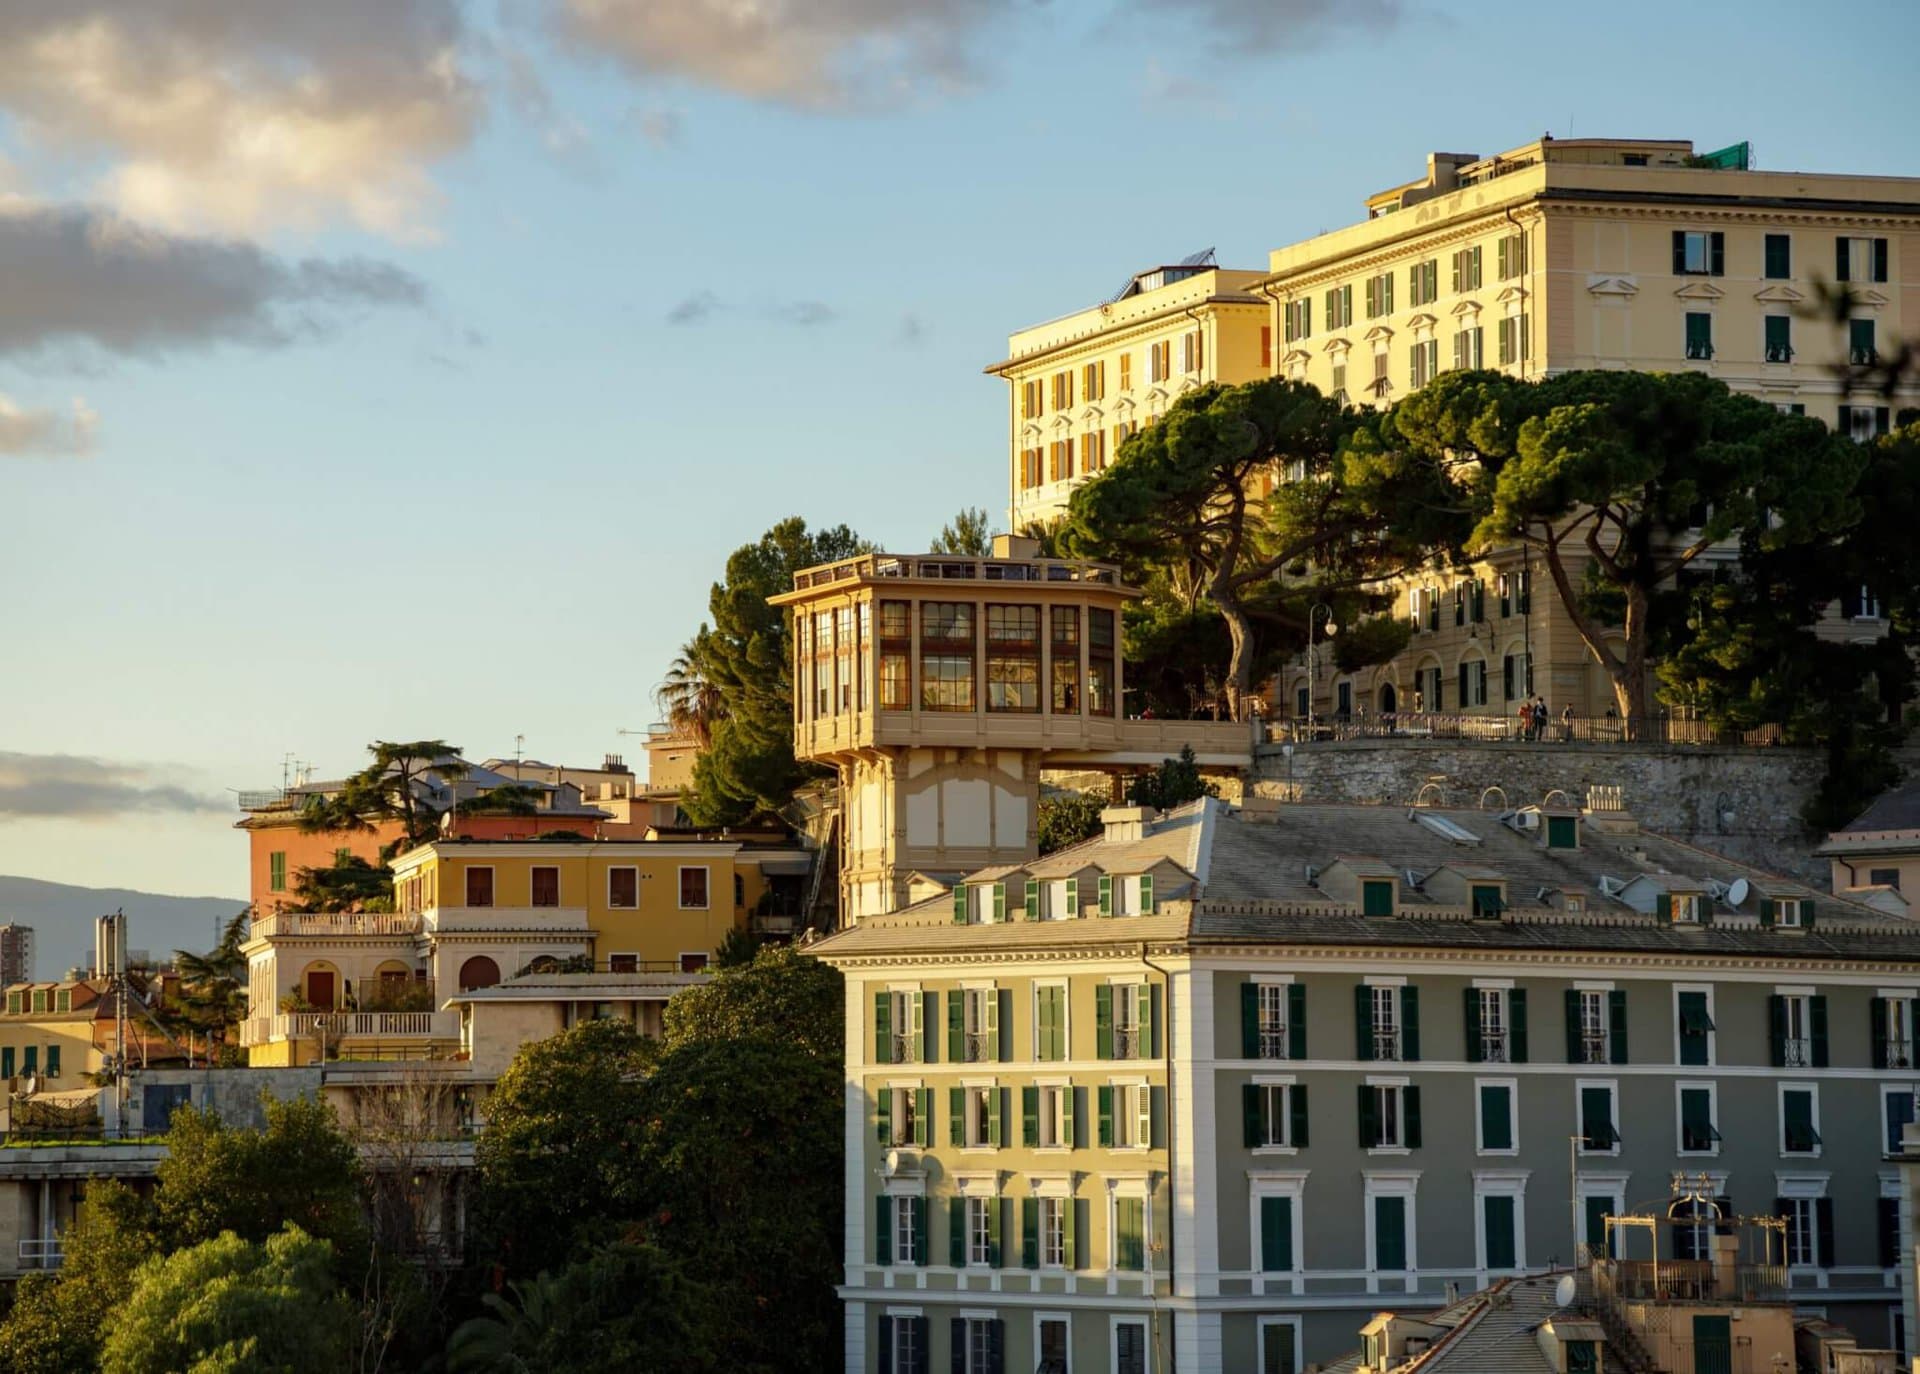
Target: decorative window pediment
(1297,357)
(1379,334)
(1868,297)
(1422,321)
(1157,397)
(1466,310)
(1338,347)
(1779,294)
(1511,295)
(1123,407)
(1092,414)
(1604,284)
(1699,291)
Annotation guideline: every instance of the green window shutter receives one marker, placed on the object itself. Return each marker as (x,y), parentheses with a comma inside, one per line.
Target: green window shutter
(1386,294)
(1070,1122)
(1105,1113)
(922,1245)
(960,904)
(923,1118)
(1499,1229)
(1072,1231)
(1376,895)
(1073,896)
(1456,273)
(926,1013)
(1253,1120)
(956,1026)
(1103,1021)
(1694,1026)
(1029,1233)
(1249,1020)
(1033,899)
(1880,263)
(277,870)
(1877,1009)
(30,1060)
(1779,337)
(1817,1029)
(1106,894)
(53,1061)
(1276,1234)
(1471,1020)
(996,1099)
(1362,1021)
(883,1230)
(1717,253)
(1679,252)
(1517,1025)
(1149,1020)
(1369,1119)
(882,1028)
(994,1207)
(1777,1031)
(999,903)
(1596,1117)
(1496,1118)
(1779,257)
(1410,1023)
(1841,260)
(1696,1117)
(1501,256)
(1563,832)
(957,1115)
(1146,894)
(957,1232)
(1296,1021)
(1823,1233)
(1390,1233)
(6,1062)
(1617,1025)
(1297,1116)
(1004,997)
(1410,1099)
(883,1115)
(1766,911)
(1030,1116)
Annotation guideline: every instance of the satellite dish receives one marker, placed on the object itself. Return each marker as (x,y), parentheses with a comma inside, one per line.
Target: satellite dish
(1737,892)
(1563,1291)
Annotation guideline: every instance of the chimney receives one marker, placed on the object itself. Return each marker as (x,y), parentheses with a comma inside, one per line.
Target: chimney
(1015,546)
(1124,824)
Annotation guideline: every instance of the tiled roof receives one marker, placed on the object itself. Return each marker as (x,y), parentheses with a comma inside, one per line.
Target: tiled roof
(1491,1332)
(1896,809)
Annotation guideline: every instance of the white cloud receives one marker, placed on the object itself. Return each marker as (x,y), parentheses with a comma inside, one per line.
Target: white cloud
(76,275)
(1266,26)
(818,53)
(207,114)
(49,433)
(74,785)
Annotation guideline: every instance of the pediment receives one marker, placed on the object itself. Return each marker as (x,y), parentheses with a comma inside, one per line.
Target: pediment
(1869,297)
(1423,321)
(1511,294)
(1337,346)
(1466,308)
(1699,291)
(1030,430)
(1093,413)
(1157,396)
(1061,422)
(1379,334)
(1609,284)
(1297,355)
(1123,406)
(1779,294)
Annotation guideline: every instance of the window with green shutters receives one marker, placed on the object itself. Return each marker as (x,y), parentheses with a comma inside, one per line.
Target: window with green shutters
(1595,1210)
(53,1061)
(1779,257)
(1273,1021)
(1125,1020)
(6,1062)
(1779,338)
(39,999)
(900,1230)
(1276,1235)
(1389,1234)
(1511,256)
(1892,1021)
(900,1026)
(16,1001)
(1699,334)
(1497,1223)
(1799,1133)
(1797,1031)
(1699,253)
(1563,832)
(1496,1119)
(1376,898)
(277,871)
(1050,1022)
(1698,1134)
(1275,1115)
(1695,1027)
(1129,1233)
(1860,343)
(1466,270)
(1597,1132)
(1514,342)
(30,1060)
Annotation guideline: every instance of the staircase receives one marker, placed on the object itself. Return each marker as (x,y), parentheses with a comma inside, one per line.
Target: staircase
(1624,1351)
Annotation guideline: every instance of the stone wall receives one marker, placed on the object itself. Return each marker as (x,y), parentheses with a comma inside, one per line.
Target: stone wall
(1744,803)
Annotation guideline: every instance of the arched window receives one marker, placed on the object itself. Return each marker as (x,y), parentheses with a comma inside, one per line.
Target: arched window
(478,972)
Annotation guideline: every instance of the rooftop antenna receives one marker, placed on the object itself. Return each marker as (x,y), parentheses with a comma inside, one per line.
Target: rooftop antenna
(519,749)
(286,769)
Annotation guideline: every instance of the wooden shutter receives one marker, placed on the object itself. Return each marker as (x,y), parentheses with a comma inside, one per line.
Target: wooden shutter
(994,1208)
(882,1028)
(1817,1029)
(1777,1031)
(1717,253)
(1877,1009)
(1574,1055)
(883,1230)
(960,904)
(1103,1021)
(1471,1020)
(999,903)
(957,1116)
(956,1027)
(1410,1104)
(883,1115)
(1823,1231)
(1296,1021)
(1842,260)
(1410,1023)
(1517,1024)
(1104,1114)
(1029,1233)
(1249,1020)
(1073,896)
(886,1345)
(1617,1025)
(1003,1022)
(1880,263)
(1887,1213)
(1253,1115)
(1149,1020)
(1276,1234)
(1369,1118)
(1033,899)
(1362,1022)
(1297,1116)
(957,1235)
(1146,894)
(926,1046)
(923,1131)
(1106,894)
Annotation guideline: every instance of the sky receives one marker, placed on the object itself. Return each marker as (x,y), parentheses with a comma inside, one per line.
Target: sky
(408,368)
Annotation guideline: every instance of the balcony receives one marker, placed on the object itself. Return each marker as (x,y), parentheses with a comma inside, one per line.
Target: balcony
(900,1050)
(1797,1053)
(42,1253)
(1594,1047)
(1863,357)
(1779,353)
(341,925)
(979,1047)
(1273,1044)
(1126,1042)
(1900,1054)
(562,919)
(1386,1044)
(1495,1047)
(1687,1281)
(337,1027)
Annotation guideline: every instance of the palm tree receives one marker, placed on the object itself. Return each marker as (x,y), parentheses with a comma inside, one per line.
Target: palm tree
(688,697)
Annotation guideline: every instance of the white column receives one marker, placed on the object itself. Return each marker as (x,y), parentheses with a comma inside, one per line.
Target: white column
(856,1130)
(856,1328)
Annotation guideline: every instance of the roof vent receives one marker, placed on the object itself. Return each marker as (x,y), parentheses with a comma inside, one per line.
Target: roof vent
(1414,879)
(1126,824)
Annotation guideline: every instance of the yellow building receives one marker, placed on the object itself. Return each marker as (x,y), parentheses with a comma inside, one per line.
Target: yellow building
(1078,385)
(478,913)
(55,1033)
(1569,254)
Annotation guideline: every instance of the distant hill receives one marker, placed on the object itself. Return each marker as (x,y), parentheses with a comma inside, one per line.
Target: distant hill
(62,919)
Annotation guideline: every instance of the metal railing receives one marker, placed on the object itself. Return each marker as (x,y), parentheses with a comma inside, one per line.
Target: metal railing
(901,1049)
(1386,1044)
(266,799)
(1667,731)
(1273,1044)
(1594,1047)
(1494,1047)
(1126,1042)
(1797,1053)
(1618,1280)
(1899,1054)
(340,1025)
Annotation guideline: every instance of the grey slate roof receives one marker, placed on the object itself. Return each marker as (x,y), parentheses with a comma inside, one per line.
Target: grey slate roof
(1491,1332)
(1896,809)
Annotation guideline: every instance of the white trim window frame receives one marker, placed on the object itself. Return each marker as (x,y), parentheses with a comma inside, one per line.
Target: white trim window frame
(1066,1017)
(1389,1093)
(706,887)
(1910,1091)
(1276,1113)
(978,1094)
(1713,1034)
(1270,1021)
(1495,1028)
(1404,1184)
(1898,1025)
(1290,1324)
(1053,900)
(1797,1041)
(1511,1086)
(1055,1114)
(1611,1086)
(1510,1183)
(902,1112)
(1815,1147)
(1292,1185)
(1132,1113)
(1596,1022)
(1145,1362)
(978,1212)
(1131,1189)
(1610,1187)
(1802,1192)
(1041,1320)
(1711,1148)
(1383,1007)
(908,1245)
(906,1330)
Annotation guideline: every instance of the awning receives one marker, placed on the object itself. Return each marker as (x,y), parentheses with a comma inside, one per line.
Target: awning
(786,868)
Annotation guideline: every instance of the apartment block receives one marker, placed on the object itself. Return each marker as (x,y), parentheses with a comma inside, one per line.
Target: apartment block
(1207,1091)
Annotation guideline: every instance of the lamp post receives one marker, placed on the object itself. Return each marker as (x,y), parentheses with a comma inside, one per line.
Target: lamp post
(1313,665)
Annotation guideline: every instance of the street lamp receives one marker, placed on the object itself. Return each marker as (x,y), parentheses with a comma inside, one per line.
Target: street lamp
(1313,666)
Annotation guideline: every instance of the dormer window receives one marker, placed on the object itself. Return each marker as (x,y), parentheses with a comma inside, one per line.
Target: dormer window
(1563,832)
(1684,908)
(1488,900)
(1791,913)
(1130,895)
(1376,897)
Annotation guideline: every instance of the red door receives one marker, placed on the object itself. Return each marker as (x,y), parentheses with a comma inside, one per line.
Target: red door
(320,989)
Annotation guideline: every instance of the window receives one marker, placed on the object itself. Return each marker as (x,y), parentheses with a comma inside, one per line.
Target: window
(1496,1017)
(1790,913)
(1065,629)
(1473,683)
(1424,362)
(1030,470)
(1779,338)
(1013,659)
(1276,1215)
(1693,1016)
(1511,254)
(1123,1016)
(1699,334)
(1054,1222)
(1126,1116)
(1129,1347)
(1860,259)
(1389,1115)
(1127,895)
(277,871)
(545,882)
(1060,899)
(1861,423)
(1275,1115)
(1598,1135)
(1386,1022)
(1130,1233)
(1389,1251)
(1799,1119)
(822,650)
(1060,460)
(1273,1020)
(1779,257)
(1896,1111)
(1126,371)
(1514,347)
(1861,351)
(623,888)
(1698,253)
(1050,1022)
(895,645)
(1299,319)
(1884,877)
(39,1000)
(1892,1025)
(1809,1229)
(623,963)
(1380,295)
(1595,1208)
(1698,1134)
(1193,351)
(976,1116)
(902,1231)
(53,1061)
(1062,390)
(1380,366)
(900,1026)
(693,889)
(1093,381)
(693,963)
(1468,348)
(1797,1030)
(1093,451)
(6,1062)
(479,887)
(1423,282)
(1466,270)
(1100,670)
(1499,1237)
(1340,383)
(905,1115)
(946,656)
(1497,1132)
(1046,1111)
(977,1025)
(983,1241)
(1340,307)
(1376,894)
(1684,908)
(1033,400)
(1279,1346)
